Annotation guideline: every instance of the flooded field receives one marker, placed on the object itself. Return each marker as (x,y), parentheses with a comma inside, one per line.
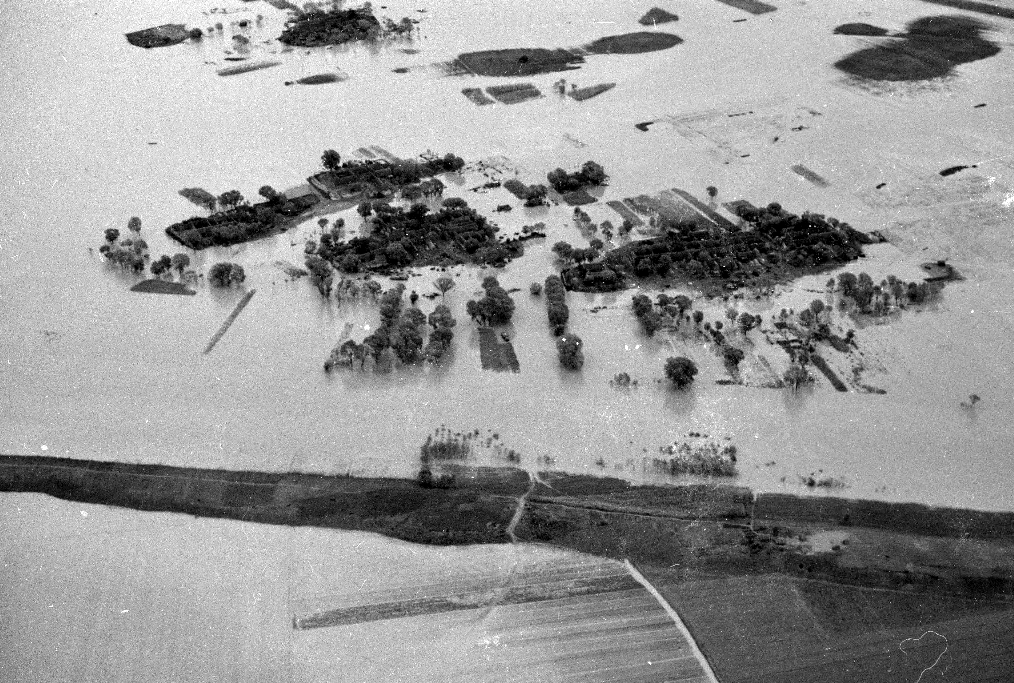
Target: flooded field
(97,131)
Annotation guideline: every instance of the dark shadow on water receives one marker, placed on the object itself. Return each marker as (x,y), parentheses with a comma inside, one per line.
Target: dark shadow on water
(931,48)
(678,402)
(795,399)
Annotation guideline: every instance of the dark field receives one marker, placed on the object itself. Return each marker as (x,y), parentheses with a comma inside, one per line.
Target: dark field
(860,29)
(514,92)
(162,287)
(582,94)
(633,43)
(751,6)
(781,630)
(931,48)
(518,61)
(496,354)
(318,79)
(679,533)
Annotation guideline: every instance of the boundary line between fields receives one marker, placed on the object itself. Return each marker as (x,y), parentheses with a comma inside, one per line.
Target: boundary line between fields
(702,660)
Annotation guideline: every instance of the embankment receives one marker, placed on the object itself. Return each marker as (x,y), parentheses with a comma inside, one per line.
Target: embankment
(685,532)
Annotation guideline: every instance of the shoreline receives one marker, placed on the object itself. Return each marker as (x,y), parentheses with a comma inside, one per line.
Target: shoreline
(682,533)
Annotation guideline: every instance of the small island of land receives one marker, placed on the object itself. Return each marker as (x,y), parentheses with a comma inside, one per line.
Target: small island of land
(335,26)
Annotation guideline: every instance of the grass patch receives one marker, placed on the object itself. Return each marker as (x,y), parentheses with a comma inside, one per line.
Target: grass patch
(633,43)
(318,79)
(243,68)
(497,355)
(655,16)
(859,29)
(578,197)
(806,173)
(751,6)
(518,61)
(582,94)
(162,287)
(477,96)
(514,92)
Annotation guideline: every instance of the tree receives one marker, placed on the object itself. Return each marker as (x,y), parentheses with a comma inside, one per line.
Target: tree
(698,317)
(231,199)
(596,244)
(226,274)
(535,288)
(161,266)
(712,192)
(349,263)
(593,173)
(796,375)
(732,356)
(817,307)
(496,308)
(364,209)
(270,194)
(180,262)
(680,371)
(112,234)
(134,225)
(443,284)
(682,303)
(568,348)
(746,322)
(441,317)
(563,250)
(331,160)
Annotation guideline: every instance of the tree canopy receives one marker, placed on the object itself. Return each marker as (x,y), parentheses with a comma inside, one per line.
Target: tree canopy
(681,371)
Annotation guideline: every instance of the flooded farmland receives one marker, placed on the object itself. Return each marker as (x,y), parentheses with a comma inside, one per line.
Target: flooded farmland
(98,130)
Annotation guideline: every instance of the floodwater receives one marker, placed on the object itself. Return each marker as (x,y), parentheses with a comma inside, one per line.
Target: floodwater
(98,131)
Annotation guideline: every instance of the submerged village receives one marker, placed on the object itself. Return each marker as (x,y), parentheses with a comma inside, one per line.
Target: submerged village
(619,422)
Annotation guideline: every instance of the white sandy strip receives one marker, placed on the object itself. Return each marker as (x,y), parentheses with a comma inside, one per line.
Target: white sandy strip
(676,619)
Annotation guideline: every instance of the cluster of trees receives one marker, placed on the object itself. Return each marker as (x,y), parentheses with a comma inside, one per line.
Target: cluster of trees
(670,310)
(495,308)
(796,375)
(584,222)
(876,299)
(314,26)
(534,195)
(591,173)
(441,321)
(779,240)
(130,253)
(427,188)
(399,337)
(398,237)
(382,178)
(681,371)
(556,306)
(571,255)
(166,264)
(568,347)
(226,274)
